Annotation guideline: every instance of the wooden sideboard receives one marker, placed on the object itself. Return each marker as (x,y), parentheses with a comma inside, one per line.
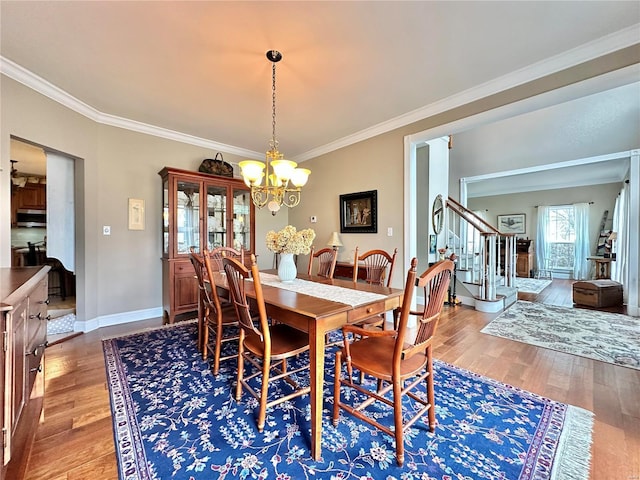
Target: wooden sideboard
(23,315)
(345,270)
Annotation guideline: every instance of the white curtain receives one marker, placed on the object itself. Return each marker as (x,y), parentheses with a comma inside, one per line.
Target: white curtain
(542,247)
(582,246)
(620,268)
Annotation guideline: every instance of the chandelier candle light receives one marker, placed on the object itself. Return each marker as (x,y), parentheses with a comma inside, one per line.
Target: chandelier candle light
(283,181)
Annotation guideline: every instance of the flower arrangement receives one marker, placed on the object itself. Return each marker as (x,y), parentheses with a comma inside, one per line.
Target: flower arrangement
(289,240)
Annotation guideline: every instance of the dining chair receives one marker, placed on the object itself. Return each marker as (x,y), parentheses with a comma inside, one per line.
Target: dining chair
(217,253)
(266,347)
(395,357)
(326,260)
(379,267)
(216,319)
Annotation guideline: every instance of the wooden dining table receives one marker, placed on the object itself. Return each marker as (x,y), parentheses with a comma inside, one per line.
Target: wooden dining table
(318,316)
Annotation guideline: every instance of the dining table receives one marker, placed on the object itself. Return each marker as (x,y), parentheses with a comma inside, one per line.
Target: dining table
(318,305)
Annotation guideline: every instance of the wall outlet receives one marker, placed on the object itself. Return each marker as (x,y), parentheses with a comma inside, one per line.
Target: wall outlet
(106,230)
(390,232)
(313,219)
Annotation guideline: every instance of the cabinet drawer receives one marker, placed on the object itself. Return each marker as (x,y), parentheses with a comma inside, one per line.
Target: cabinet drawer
(366,311)
(183,268)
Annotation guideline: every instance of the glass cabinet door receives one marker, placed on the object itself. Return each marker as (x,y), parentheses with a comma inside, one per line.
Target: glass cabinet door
(216,217)
(165,217)
(241,219)
(187,216)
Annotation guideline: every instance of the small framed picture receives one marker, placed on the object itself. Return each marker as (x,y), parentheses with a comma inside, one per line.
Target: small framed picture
(432,243)
(512,223)
(359,212)
(136,214)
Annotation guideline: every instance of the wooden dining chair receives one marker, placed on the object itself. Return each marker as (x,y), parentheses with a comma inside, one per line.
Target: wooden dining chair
(326,261)
(379,267)
(216,319)
(393,357)
(217,253)
(266,347)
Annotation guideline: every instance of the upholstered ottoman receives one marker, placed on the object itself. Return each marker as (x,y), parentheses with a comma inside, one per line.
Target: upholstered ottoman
(597,293)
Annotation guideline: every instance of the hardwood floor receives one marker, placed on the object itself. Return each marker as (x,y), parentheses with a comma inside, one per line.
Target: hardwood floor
(75,439)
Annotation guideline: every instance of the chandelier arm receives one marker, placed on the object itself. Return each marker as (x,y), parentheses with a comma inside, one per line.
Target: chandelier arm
(291,197)
(259,196)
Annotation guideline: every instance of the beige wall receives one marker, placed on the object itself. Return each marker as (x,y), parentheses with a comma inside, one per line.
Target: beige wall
(117,274)
(120,274)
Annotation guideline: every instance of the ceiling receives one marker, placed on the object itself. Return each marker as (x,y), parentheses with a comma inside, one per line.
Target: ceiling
(349,69)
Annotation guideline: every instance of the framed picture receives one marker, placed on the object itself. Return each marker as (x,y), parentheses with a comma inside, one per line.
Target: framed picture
(359,212)
(513,223)
(432,243)
(136,214)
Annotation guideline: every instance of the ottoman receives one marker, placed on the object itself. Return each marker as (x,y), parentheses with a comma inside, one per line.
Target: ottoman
(597,293)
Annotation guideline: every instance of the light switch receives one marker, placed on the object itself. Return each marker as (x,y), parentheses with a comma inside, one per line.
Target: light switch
(390,232)
(106,230)
(313,219)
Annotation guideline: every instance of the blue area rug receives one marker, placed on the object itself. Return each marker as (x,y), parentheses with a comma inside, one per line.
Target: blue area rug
(173,420)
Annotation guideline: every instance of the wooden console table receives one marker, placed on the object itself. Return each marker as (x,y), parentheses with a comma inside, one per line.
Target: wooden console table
(603,267)
(345,270)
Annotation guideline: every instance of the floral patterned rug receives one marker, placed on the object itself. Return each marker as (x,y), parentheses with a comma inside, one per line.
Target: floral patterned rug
(173,420)
(531,285)
(608,337)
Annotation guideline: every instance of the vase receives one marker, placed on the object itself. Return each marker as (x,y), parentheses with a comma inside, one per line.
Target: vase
(287,270)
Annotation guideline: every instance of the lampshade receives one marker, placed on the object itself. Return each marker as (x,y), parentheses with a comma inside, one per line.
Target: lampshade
(334,240)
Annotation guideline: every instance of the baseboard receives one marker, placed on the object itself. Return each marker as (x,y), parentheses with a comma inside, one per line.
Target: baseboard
(117,319)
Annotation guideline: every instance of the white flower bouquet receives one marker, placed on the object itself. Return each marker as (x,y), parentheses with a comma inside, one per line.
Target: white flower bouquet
(289,240)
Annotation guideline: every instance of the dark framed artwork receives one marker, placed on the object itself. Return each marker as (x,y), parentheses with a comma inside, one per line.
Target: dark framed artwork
(512,223)
(432,243)
(359,212)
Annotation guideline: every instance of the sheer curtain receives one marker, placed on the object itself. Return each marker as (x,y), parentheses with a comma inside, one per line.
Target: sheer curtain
(582,246)
(620,268)
(542,247)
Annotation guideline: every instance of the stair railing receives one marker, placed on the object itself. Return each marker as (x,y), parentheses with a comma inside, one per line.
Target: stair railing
(478,247)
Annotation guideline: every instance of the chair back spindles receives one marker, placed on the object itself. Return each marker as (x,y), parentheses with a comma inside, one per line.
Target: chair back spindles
(377,263)
(237,273)
(218,253)
(326,260)
(435,283)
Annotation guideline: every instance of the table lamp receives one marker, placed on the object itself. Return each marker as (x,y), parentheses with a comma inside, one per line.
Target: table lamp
(334,241)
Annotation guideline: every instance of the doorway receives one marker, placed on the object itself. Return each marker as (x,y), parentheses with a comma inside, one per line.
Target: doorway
(43,181)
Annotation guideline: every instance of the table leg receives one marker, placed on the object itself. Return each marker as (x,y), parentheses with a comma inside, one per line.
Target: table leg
(316,354)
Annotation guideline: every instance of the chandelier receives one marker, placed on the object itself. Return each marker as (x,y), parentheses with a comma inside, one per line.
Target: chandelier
(282,180)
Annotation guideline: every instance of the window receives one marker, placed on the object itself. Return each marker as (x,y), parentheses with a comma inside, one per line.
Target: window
(561,237)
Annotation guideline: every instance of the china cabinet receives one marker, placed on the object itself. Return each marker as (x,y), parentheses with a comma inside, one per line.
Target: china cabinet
(199,210)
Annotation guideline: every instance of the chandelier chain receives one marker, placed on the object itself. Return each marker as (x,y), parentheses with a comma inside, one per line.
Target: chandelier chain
(274,142)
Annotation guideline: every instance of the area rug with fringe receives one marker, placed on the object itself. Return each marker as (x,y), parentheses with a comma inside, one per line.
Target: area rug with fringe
(531,285)
(608,337)
(173,419)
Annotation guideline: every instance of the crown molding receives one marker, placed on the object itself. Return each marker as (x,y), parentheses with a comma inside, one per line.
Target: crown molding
(594,49)
(589,51)
(42,86)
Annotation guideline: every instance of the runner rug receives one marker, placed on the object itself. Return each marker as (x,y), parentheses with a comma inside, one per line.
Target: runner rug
(173,420)
(608,337)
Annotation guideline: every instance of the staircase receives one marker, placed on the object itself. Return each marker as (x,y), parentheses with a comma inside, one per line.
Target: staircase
(486,259)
